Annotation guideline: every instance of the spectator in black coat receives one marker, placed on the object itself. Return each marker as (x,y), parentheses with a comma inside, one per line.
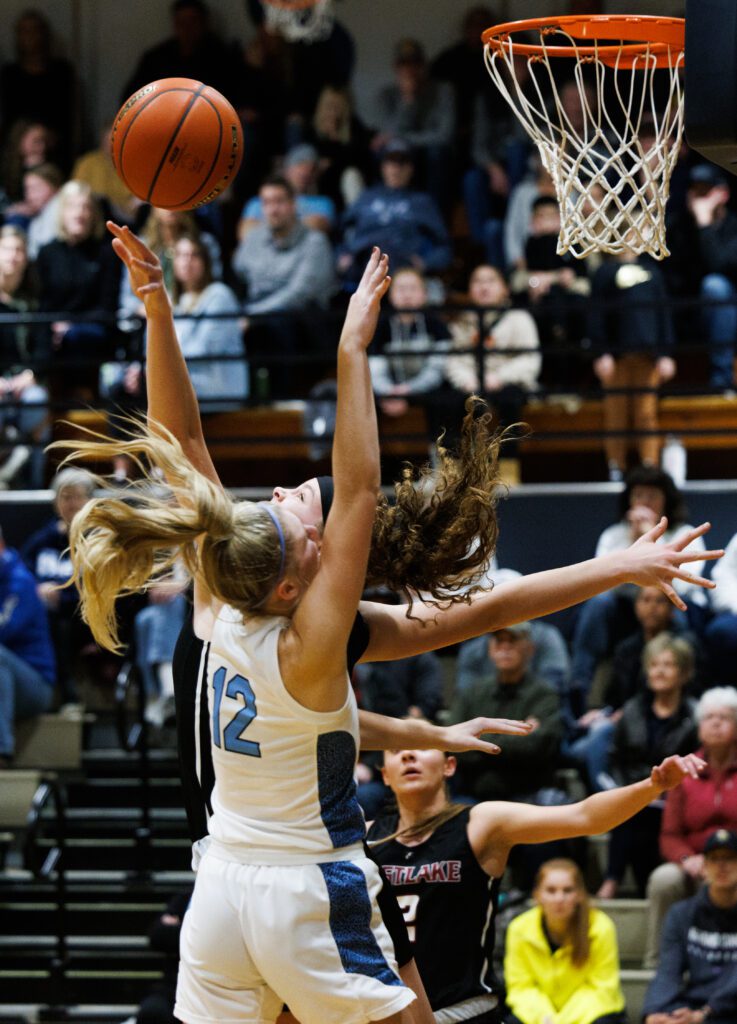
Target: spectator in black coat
(79,273)
(654,725)
(192,51)
(631,330)
(594,730)
(40,87)
(704,247)
(555,286)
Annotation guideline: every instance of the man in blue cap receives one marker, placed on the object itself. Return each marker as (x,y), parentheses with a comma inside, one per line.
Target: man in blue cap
(696,980)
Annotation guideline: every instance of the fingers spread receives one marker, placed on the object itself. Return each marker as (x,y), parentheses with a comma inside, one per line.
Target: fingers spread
(657,531)
(691,536)
(700,556)
(688,577)
(672,596)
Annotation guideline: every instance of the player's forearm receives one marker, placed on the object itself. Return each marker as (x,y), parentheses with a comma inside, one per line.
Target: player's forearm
(519,600)
(379,732)
(542,593)
(604,811)
(356,441)
(172,400)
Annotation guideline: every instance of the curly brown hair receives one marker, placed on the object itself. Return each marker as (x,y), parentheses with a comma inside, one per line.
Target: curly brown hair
(439,536)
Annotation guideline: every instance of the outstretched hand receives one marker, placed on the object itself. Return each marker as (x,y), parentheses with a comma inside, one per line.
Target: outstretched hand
(143,266)
(651,564)
(674,769)
(467,735)
(363,308)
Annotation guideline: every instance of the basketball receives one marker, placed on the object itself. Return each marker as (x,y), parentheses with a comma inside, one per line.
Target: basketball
(177,143)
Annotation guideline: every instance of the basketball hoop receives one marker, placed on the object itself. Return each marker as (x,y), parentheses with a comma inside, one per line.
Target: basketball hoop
(299,21)
(612,169)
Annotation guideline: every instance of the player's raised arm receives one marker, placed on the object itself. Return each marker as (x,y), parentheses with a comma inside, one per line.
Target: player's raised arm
(172,401)
(646,562)
(321,625)
(496,826)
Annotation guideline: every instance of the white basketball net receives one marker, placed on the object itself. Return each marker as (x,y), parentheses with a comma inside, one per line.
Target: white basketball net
(612,184)
(299,21)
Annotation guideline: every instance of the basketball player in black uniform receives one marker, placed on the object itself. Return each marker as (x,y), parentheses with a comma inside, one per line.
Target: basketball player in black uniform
(445,863)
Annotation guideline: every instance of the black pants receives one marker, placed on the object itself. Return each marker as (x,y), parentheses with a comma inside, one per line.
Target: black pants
(635,842)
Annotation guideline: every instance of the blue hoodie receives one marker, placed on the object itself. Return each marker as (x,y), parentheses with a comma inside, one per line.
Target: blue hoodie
(46,553)
(402,222)
(698,960)
(24,625)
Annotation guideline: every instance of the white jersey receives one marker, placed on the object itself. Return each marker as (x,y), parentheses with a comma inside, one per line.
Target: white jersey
(284,790)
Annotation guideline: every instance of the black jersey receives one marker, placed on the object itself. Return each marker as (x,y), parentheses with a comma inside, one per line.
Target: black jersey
(449,903)
(189,668)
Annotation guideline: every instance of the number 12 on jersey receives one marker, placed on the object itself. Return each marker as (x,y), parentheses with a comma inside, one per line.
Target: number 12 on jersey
(237,686)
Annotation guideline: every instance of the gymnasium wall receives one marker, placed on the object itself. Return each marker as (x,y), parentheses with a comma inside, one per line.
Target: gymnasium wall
(105,37)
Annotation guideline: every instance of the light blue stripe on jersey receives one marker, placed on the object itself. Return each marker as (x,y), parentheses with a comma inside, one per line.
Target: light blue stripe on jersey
(350,922)
(339,808)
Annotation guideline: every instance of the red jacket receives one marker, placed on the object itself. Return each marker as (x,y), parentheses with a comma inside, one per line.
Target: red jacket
(697,808)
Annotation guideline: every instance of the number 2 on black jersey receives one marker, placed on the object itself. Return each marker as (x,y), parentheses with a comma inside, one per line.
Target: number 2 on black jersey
(232,733)
(408,905)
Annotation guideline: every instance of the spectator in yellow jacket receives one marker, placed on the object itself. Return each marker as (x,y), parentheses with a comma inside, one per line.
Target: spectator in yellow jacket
(561,964)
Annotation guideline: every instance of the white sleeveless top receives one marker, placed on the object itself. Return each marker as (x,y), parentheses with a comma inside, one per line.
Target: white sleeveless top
(284,790)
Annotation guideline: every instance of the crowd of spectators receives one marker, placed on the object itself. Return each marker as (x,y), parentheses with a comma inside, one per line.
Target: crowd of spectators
(443,179)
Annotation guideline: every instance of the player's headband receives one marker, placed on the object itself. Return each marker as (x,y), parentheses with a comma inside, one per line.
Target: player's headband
(327,489)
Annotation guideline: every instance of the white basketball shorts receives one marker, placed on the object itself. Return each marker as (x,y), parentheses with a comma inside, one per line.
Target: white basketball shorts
(311,936)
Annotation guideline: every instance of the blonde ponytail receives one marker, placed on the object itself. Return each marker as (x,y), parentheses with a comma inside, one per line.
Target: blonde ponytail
(120,543)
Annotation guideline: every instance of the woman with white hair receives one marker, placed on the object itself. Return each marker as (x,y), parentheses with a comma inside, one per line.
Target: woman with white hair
(46,553)
(692,813)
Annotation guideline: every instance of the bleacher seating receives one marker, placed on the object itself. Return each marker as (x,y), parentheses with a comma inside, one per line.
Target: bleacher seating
(261,436)
(52,740)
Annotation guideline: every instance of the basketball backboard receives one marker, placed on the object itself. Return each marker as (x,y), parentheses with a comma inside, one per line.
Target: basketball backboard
(711,80)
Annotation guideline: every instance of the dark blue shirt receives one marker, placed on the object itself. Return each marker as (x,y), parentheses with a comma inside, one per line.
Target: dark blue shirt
(46,553)
(698,960)
(24,625)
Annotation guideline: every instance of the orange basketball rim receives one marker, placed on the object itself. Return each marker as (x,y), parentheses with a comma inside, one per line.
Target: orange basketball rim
(637,34)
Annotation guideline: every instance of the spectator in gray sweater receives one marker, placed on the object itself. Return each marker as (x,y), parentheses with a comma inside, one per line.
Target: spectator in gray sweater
(286,269)
(284,265)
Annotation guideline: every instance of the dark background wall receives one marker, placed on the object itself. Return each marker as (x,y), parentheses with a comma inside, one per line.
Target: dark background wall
(542,526)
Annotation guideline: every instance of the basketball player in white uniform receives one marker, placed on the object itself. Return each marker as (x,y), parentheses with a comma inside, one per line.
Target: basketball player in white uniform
(284,907)
(296,671)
